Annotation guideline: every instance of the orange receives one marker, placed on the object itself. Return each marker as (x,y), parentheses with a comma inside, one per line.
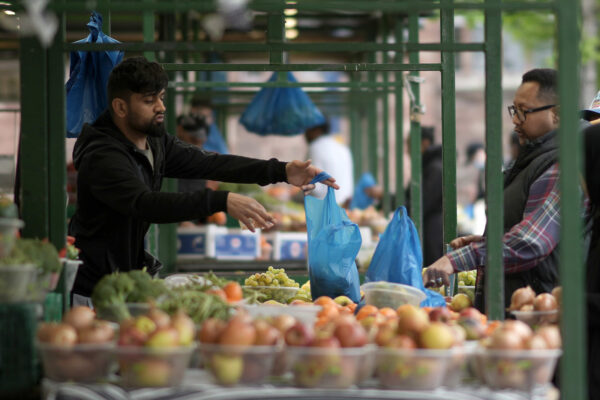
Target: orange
(218,292)
(329,312)
(233,291)
(324,301)
(366,311)
(388,312)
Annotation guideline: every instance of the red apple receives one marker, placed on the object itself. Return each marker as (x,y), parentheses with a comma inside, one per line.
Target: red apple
(160,318)
(299,335)
(351,334)
(211,330)
(238,332)
(266,335)
(412,320)
(471,312)
(151,372)
(441,314)
(401,342)
(330,341)
(283,322)
(132,336)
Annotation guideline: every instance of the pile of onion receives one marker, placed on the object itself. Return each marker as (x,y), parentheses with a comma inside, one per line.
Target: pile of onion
(516,335)
(521,297)
(79,326)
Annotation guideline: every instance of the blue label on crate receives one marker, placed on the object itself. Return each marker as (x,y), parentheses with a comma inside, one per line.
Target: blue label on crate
(236,245)
(293,250)
(191,243)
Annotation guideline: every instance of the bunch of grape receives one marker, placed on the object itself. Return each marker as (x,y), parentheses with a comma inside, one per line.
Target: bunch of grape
(467,278)
(272,277)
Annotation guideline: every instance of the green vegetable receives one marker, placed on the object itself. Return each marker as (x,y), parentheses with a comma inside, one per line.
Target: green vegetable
(198,304)
(42,254)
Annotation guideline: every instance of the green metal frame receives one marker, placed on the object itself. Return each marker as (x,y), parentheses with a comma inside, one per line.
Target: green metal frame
(43,116)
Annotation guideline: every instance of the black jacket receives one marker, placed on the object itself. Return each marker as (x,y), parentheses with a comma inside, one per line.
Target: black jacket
(118,194)
(433,215)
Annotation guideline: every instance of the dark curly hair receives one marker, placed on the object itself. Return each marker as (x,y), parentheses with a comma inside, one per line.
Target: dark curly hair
(135,75)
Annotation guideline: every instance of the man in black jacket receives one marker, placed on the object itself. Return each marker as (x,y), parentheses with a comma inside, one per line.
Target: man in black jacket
(122,159)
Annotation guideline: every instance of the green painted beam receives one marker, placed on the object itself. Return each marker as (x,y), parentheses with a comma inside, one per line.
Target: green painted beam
(350,84)
(494,277)
(415,137)
(148,28)
(372,132)
(322,47)
(448,127)
(276,35)
(303,67)
(33,155)
(573,368)
(399,111)
(386,129)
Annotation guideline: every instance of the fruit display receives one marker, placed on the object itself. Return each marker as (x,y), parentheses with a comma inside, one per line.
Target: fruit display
(240,350)
(329,356)
(77,349)
(387,294)
(516,357)
(535,310)
(273,284)
(155,349)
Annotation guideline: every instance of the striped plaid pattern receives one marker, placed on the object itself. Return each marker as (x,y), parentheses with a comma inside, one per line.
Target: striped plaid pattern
(526,244)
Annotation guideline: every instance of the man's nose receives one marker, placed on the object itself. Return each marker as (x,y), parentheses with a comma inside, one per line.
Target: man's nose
(160,106)
(516,120)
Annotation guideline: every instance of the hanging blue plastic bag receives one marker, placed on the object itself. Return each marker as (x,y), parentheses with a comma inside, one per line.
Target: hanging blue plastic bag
(215,141)
(88,77)
(281,111)
(398,258)
(333,243)
(360,199)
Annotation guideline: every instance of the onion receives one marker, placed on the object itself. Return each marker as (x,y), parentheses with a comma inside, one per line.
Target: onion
(520,297)
(160,318)
(537,342)
(63,335)
(520,328)
(557,293)
(98,332)
(527,307)
(551,334)
(545,302)
(46,331)
(79,317)
(505,339)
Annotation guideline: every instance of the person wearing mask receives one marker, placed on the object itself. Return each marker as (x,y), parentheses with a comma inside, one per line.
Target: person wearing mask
(333,157)
(531,201)
(121,161)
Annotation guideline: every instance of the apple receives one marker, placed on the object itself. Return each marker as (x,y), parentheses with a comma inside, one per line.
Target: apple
(473,327)
(273,303)
(460,335)
(185,327)
(238,332)
(211,330)
(132,336)
(351,334)
(163,337)
(436,336)
(401,342)
(160,318)
(330,342)
(145,324)
(343,300)
(151,372)
(298,335)
(412,320)
(440,314)
(385,334)
(266,335)
(283,322)
(460,301)
(227,369)
(471,312)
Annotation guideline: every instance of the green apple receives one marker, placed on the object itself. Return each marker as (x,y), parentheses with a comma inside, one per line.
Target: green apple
(163,337)
(227,369)
(343,300)
(145,324)
(151,372)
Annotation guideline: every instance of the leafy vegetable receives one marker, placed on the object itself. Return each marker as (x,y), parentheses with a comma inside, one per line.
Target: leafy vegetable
(41,253)
(198,304)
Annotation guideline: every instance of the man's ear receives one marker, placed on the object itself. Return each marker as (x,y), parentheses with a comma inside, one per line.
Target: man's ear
(119,107)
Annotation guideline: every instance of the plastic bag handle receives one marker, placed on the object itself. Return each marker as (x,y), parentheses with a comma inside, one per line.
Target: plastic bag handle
(320,177)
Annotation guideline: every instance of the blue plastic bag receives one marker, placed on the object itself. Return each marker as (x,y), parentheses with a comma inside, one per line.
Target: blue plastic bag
(281,111)
(215,141)
(360,199)
(333,243)
(398,258)
(88,77)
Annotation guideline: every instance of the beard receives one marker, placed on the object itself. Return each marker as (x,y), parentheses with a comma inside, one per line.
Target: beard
(150,128)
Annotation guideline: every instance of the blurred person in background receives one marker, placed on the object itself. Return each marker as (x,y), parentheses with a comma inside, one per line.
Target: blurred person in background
(214,141)
(333,157)
(531,201)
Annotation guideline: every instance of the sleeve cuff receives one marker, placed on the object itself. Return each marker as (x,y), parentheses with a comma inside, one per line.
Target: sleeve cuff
(218,201)
(462,259)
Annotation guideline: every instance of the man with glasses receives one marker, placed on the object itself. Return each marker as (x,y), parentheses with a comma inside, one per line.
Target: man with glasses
(531,201)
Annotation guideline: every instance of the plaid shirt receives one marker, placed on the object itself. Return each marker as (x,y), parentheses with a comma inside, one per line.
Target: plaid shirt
(526,244)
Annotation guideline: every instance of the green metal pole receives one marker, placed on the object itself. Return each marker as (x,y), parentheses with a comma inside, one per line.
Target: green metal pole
(148,29)
(494,270)
(34,148)
(386,131)
(572,271)
(356,136)
(167,238)
(400,197)
(373,143)
(415,135)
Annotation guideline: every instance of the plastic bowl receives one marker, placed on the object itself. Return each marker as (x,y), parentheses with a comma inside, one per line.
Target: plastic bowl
(516,369)
(70,268)
(281,294)
(80,363)
(326,367)
(153,367)
(43,283)
(536,318)
(387,294)
(412,369)
(16,281)
(231,365)
(307,314)
(135,310)
(8,234)
(177,280)
(458,365)
(366,368)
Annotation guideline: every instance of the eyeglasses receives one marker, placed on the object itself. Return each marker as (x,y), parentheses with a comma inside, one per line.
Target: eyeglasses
(522,114)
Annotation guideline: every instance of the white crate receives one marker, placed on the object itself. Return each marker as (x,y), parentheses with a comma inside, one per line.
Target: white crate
(236,244)
(290,246)
(197,242)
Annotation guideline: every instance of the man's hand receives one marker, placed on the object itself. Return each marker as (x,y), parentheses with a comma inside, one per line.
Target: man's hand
(248,211)
(465,241)
(300,173)
(437,274)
